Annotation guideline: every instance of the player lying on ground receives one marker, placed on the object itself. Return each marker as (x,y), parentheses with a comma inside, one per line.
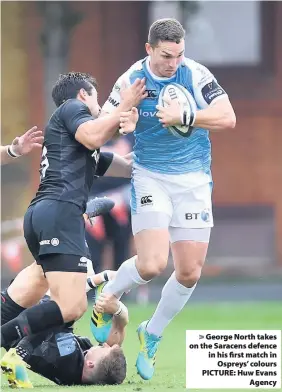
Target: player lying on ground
(64,357)
(19,296)
(21,145)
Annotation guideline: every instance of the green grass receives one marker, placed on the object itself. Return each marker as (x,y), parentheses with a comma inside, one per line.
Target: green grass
(170,364)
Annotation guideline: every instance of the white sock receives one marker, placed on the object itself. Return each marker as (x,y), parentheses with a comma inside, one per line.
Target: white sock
(127,278)
(173,299)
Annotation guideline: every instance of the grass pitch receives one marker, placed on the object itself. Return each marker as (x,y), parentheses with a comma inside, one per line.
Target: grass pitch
(170,363)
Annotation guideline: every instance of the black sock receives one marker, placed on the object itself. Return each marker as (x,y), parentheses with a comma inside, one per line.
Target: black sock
(9,308)
(22,352)
(36,319)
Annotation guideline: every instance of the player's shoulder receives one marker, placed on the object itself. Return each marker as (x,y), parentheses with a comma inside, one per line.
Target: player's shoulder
(137,66)
(200,74)
(73,103)
(72,106)
(134,68)
(195,67)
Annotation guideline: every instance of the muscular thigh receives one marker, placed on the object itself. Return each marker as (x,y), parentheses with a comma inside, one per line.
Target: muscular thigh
(152,248)
(188,256)
(29,286)
(67,289)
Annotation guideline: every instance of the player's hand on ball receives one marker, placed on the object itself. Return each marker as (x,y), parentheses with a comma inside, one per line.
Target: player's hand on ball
(171,114)
(128,121)
(107,303)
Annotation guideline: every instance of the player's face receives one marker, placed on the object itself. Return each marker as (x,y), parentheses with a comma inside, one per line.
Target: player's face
(166,57)
(92,103)
(97,353)
(91,100)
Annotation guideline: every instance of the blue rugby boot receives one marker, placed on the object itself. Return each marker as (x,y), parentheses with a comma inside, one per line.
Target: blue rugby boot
(147,355)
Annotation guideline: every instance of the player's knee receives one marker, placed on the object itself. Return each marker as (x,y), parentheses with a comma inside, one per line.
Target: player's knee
(189,277)
(73,314)
(74,310)
(151,266)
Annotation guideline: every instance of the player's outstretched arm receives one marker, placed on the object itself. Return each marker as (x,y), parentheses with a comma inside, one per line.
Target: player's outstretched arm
(121,166)
(108,303)
(21,145)
(114,165)
(94,134)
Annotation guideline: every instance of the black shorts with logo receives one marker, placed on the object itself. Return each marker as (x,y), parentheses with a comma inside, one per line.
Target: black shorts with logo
(55,234)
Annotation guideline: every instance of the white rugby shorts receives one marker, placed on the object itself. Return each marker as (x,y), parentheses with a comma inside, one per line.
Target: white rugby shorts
(170,201)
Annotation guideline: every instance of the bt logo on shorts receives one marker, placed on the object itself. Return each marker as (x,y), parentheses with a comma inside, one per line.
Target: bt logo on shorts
(206,215)
(192,215)
(146,200)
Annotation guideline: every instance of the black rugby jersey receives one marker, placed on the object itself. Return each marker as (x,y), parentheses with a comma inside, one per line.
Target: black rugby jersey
(58,356)
(67,167)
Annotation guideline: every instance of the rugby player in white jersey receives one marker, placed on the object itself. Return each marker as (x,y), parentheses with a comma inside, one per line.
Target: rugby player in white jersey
(171,181)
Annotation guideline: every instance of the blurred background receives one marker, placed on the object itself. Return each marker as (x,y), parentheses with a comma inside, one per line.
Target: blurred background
(240,42)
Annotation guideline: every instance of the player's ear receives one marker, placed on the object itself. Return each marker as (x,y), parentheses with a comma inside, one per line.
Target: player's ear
(90,364)
(82,94)
(148,48)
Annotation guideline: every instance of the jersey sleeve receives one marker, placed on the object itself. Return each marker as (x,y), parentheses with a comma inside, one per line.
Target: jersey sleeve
(74,113)
(114,98)
(206,89)
(104,163)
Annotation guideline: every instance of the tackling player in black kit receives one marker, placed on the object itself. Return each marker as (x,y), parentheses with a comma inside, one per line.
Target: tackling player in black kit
(65,358)
(53,224)
(42,352)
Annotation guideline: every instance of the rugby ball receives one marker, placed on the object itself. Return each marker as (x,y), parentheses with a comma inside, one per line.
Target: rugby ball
(184,97)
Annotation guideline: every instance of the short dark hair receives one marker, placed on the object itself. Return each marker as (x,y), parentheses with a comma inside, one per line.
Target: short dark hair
(110,370)
(68,86)
(167,29)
